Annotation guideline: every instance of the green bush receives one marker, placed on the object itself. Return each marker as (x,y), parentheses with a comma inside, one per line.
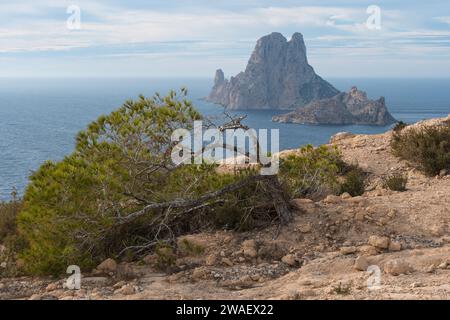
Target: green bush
(94,204)
(426,148)
(8,218)
(9,236)
(396,182)
(165,257)
(354,182)
(312,171)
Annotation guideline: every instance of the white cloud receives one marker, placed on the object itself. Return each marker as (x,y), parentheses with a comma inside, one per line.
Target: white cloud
(118,25)
(443,19)
(334,31)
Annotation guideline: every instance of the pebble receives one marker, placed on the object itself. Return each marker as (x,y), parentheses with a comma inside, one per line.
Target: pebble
(361,263)
(379,242)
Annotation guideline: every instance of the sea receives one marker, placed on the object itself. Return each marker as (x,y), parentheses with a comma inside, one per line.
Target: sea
(39,118)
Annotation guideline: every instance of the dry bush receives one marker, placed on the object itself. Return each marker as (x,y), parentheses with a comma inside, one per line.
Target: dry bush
(426,148)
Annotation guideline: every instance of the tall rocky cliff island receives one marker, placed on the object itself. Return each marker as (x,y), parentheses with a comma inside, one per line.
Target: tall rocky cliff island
(277,76)
(344,108)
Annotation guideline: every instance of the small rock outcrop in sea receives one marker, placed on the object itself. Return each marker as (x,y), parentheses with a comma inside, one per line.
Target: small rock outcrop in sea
(344,108)
(277,76)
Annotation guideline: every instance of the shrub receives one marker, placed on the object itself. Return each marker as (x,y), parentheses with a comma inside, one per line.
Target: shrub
(311,171)
(342,289)
(396,182)
(9,237)
(427,148)
(399,126)
(8,218)
(119,192)
(354,182)
(165,257)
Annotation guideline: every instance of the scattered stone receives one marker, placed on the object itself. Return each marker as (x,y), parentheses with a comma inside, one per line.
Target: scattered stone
(361,263)
(395,246)
(341,136)
(249,249)
(430,269)
(346,196)
(211,260)
(368,250)
(300,204)
(445,239)
(227,262)
(126,290)
(379,242)
(443,173)
(348,250)
(35,297)
(119,284)
(397,267)
(290,260)
(108,266)
(52,287)
(242,282)
(438,230)
(332,199)
(199,273)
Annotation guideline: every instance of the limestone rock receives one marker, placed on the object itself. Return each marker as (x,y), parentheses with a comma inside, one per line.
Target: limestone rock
(227,262)
(397,267)
(332,199)
(341,136)
(126,290)
(395,246)
(52,287)
(107,266)
(346,195)
(348,250)
(278,76)
(361,263)
(249,249)
(345,108)
(379,242)
(368,250)
(290,260)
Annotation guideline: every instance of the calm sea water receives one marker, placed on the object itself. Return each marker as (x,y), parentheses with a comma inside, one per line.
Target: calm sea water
(39,118)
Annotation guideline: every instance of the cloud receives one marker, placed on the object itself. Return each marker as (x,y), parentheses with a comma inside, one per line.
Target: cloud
(155,33)
(120,25)
(443,19)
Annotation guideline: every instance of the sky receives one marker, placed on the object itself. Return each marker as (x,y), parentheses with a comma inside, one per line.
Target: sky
(193,38)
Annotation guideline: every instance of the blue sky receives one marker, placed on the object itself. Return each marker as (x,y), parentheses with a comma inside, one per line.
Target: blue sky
(192,38)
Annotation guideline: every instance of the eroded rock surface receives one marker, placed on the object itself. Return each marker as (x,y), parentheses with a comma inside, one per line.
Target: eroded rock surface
(278,76)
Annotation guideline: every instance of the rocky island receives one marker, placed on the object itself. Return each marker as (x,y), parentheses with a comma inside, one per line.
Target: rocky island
(278,76)
(344,108)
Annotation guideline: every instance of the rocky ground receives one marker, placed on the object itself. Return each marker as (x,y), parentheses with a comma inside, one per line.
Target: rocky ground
(403,237)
